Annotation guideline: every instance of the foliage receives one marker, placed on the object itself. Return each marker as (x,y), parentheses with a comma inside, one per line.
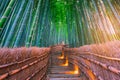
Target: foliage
(47,22)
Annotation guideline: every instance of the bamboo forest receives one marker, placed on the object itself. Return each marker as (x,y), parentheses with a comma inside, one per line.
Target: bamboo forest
(59,39)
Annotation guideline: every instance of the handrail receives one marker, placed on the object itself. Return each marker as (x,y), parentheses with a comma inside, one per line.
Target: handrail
(105,66)
(9,64)
(20,62)
(9,73)
(84,66)
(89,53)
(75,56)
(37,72)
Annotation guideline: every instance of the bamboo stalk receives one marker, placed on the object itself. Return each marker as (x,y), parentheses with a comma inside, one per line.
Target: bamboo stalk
(6,13)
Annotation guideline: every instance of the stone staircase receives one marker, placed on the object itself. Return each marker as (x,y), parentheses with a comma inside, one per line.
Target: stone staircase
(57,70)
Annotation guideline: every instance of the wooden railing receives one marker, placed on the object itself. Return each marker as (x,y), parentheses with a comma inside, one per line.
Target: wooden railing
(94,66)
(34,68)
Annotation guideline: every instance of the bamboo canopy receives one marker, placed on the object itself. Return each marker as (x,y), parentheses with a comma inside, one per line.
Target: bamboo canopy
(47,22)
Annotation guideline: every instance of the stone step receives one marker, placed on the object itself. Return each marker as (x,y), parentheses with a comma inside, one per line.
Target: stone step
(63,75)
(56,66)
(59,70)
(67,79)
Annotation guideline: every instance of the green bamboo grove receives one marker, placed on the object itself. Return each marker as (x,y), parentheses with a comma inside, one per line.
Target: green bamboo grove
(43,23)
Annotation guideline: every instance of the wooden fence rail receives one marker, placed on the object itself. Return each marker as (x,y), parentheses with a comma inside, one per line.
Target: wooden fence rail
(33,68)
(94,66)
